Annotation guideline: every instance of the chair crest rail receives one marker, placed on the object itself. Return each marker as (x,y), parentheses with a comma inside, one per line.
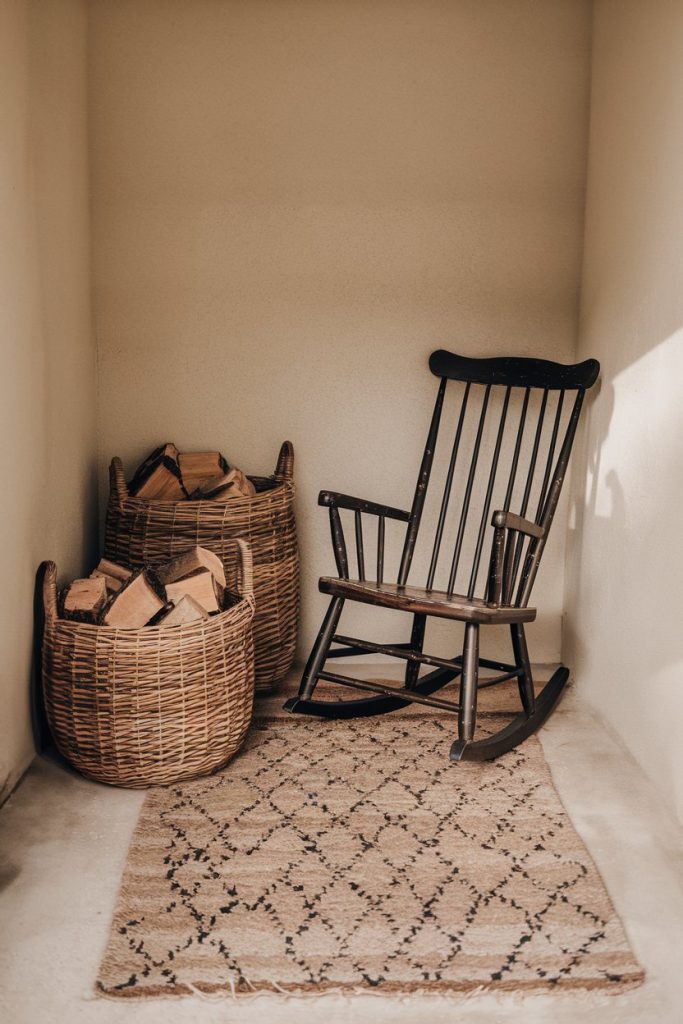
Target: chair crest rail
(514,371)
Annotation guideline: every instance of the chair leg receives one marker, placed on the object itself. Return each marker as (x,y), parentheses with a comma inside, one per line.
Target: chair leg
(417,637)
(318,654)
(525,681)
(467,716)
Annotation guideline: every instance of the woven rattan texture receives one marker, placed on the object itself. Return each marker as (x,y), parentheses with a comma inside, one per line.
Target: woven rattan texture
(149,532)
(140,707)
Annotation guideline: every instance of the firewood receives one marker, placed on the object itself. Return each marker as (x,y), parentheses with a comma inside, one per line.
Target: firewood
(233,485)
(201,586)
(140,598)
(158,477)
(186,610)
(84,599)
(188,562)
(198,467)
(114,575)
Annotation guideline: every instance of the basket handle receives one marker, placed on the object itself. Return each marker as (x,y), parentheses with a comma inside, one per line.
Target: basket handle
(245,570)
(117,480)
(284,469)
(48,572)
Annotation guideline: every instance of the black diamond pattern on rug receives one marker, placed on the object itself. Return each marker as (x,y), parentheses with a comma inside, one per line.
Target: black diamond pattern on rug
(354,856)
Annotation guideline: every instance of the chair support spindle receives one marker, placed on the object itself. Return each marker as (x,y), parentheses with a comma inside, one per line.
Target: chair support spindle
(338,543)
(360,555)
(447,490)
(380,549)
(551,455)
(527,493)
(421,488)
(515,456)
(417,637)
(536,549)
(468,494)
(489,492)
(468,684)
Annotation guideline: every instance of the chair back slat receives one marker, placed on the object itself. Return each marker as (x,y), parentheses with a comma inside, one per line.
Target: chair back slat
(551,454)
(524,507)
(515,456)
(535,549)
(380,549)
(421,488)
(447,489)
(468,493)
(520,541)
(489,494)
(360,555)
(523,464)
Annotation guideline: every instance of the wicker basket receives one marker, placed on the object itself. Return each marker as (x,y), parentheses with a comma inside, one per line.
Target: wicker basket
(151,706)
(140,532)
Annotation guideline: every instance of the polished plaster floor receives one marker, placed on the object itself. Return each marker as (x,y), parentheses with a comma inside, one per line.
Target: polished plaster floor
(63,843)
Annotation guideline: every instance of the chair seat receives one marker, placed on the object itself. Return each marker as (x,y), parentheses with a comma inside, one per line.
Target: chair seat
(429,602)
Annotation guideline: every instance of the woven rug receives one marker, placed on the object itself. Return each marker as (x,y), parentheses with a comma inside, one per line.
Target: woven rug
(353,856)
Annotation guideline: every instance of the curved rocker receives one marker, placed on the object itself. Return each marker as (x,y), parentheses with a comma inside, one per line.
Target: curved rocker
(521,727)
(536,451)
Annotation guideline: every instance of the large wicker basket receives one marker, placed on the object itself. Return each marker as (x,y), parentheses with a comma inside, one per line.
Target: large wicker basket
(151,706)
(140,532)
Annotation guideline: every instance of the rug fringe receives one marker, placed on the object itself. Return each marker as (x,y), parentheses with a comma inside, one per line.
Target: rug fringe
(581,995)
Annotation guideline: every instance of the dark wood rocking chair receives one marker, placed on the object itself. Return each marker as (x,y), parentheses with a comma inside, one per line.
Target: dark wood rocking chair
(530,440)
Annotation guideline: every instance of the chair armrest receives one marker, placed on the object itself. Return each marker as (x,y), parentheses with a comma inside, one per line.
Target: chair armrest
(332,499)
(505,555)
(509,521)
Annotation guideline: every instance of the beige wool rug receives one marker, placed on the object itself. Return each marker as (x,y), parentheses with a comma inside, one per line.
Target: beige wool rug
(353,856)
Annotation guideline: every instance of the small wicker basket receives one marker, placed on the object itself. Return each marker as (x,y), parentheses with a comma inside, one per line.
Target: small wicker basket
(150,706)
(140,532)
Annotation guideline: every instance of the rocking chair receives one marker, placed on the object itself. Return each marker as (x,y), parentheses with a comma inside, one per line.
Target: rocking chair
(529,441)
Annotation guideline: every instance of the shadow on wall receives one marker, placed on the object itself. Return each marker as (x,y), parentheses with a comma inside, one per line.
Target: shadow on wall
(78,559)
(42,736)
(594,430)
(624,586)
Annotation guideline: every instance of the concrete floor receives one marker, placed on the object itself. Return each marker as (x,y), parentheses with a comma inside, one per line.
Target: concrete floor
(63,844)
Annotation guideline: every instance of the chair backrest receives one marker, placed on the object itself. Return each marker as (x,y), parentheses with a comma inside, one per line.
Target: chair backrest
(508,449)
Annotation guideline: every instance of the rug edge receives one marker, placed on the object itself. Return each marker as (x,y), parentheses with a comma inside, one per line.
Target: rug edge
(626,983)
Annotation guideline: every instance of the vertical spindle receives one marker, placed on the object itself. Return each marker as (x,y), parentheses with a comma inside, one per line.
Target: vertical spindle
(421,489)
(515,455)
(534,554)
(447,490)
(360,555)
(468,493)
(380,549)
(551,455)
(489,492)
(527,491)
(338,543)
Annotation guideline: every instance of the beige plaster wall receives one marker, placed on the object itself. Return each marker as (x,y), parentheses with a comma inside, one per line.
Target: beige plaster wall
(295,202)
(625,586)
(48,379)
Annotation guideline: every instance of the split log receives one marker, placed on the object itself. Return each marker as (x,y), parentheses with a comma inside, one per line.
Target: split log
(158,478)
(140,598)
(197,468)
(186,610)
(199,585)
(113,575)
(234,484)
(84,599)
(188,562)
